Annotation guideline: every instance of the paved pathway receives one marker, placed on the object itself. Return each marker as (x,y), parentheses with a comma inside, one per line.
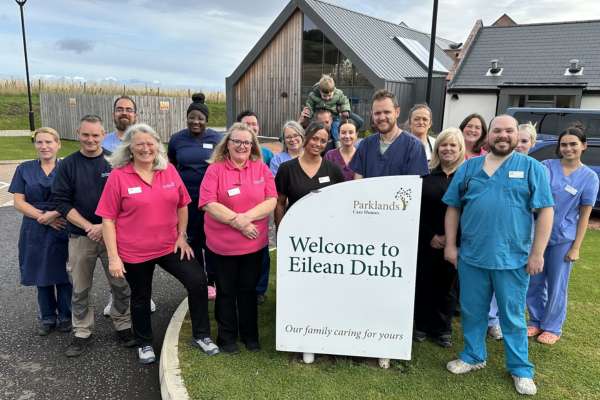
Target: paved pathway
(34,367)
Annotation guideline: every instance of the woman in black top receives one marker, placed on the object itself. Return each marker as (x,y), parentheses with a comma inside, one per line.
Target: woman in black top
(298,177)
(436,291)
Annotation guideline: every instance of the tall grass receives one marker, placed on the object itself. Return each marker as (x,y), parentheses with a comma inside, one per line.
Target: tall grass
(17,86)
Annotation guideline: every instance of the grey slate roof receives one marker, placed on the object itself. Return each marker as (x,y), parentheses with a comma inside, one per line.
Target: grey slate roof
(532,54)
(371,39)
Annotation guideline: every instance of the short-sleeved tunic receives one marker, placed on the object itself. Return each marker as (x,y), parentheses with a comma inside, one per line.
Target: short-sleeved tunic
(497,210)
(292,181)
(404,156)
(335,156)
(569,193)
(43,251)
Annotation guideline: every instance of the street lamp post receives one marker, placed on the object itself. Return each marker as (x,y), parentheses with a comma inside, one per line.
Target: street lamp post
(21,3)
(431,52)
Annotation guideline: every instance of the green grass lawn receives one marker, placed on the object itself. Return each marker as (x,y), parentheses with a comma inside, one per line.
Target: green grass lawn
(14,112)
(568,370)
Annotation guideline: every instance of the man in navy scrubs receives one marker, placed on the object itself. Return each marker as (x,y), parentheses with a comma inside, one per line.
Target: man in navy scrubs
(392,151)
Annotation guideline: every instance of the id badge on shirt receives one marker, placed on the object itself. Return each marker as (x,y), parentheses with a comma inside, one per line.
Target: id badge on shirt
(134,190)
(516,174)
(233,192)
(207,145)
(571,190)
(324,179)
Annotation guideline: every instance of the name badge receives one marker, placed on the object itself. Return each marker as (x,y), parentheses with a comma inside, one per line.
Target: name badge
(324,179)
(571,190)
(207,145)
(516,174)
(135,190)
(233,192)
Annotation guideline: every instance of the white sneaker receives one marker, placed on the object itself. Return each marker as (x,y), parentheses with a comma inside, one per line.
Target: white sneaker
(146,355)
(206,345)
(152,306)
(461,367)
(524,385)
(495,332)
(108,306)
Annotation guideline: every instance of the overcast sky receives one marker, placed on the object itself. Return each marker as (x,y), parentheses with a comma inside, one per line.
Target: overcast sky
(200,42)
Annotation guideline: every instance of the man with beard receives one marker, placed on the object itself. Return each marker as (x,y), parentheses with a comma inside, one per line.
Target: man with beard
(496,194)
(392,151)
(125,115)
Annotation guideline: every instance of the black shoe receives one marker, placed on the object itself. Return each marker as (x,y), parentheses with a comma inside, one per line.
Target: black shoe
(45,329)
(65,326)
(445,341)
(419,336)
(78,346)
(253,346)
(231,349)
(260,298)
(126,338)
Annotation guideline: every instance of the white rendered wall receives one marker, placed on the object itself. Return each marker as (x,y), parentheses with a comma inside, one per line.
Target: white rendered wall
(469,103)
(590,102)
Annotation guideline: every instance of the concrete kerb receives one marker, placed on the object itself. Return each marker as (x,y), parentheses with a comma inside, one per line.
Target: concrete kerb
(171,383)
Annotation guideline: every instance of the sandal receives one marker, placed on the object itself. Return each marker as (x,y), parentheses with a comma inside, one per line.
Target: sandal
(533,331)
(548,338)
(212,292)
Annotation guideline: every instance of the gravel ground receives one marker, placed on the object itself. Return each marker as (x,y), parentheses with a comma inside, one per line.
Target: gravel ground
(34,367)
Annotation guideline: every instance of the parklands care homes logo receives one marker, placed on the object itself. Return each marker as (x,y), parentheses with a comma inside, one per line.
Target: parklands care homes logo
(403,198)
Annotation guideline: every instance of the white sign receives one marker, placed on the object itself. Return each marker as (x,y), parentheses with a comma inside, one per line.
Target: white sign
(346,269)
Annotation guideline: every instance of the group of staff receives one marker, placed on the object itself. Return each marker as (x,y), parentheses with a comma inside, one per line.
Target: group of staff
(138,207)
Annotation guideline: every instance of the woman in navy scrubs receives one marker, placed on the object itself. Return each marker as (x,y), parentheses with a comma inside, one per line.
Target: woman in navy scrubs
(188,151)
(43,242)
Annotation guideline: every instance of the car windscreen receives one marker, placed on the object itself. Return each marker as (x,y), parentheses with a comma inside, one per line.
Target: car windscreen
(551,124)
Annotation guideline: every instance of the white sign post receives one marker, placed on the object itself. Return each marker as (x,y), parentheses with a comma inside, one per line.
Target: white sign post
(346,270)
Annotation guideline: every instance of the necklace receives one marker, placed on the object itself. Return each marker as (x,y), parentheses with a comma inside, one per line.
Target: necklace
(397,134)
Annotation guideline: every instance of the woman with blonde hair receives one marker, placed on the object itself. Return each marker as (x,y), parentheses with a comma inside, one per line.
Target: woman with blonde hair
(527,136)
(237,194)
(144,220)
(436,292)
(43,242)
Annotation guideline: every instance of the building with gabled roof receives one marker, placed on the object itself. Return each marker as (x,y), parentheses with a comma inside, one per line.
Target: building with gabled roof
(363,54)
(535,67)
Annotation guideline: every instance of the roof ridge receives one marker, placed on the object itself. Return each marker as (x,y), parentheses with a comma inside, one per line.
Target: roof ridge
(363,14)
(540,23)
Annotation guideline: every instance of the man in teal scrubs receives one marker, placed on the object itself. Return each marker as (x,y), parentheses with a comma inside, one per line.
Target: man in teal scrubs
(496,194)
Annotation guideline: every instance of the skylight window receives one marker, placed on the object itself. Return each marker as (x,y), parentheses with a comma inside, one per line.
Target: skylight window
(420,53)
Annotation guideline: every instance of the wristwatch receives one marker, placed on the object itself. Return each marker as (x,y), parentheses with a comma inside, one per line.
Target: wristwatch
(184,234)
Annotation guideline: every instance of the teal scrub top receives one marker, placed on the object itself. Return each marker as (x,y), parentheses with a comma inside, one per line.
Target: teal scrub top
(496,218)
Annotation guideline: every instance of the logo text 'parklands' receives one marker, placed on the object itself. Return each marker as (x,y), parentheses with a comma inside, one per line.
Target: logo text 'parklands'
(403,197)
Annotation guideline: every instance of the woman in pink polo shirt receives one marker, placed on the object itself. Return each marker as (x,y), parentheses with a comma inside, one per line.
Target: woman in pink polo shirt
(238,194)
(144,219)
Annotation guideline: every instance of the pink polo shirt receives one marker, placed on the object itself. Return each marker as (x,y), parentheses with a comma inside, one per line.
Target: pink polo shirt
(145,215)
(240,191)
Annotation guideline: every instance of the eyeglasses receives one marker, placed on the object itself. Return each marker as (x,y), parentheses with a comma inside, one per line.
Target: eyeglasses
(121,110)
(252,124)
(291,137)
(238,143)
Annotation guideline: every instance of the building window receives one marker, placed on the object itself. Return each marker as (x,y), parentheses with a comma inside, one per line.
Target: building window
(320,56)
(541,101)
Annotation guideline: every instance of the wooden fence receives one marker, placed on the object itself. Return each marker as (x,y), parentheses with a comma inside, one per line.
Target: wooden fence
(63,112)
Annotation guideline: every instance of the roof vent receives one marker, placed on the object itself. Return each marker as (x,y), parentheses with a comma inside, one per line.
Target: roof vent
(455,46)
(575,69)
(494,71)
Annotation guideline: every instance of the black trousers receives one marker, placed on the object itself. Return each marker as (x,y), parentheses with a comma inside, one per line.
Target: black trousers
(436,292)
(188,272)
(236,278)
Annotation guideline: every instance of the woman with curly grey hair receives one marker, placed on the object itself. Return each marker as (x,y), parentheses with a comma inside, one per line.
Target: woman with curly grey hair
(144,219)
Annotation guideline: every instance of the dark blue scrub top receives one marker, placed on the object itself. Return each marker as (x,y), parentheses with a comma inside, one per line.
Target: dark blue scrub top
(191,156)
